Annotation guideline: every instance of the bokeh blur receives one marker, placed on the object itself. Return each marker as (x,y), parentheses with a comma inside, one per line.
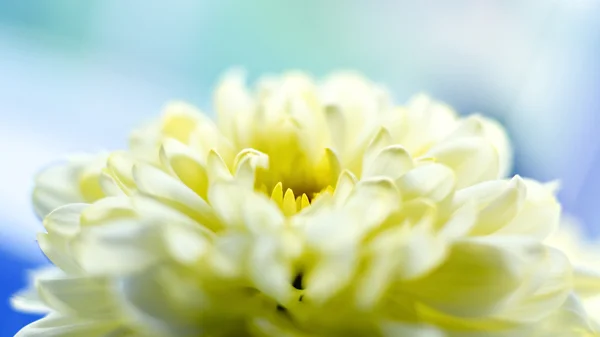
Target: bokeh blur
(76,76)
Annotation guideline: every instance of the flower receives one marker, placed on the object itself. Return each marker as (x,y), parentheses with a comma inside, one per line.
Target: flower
(307,209)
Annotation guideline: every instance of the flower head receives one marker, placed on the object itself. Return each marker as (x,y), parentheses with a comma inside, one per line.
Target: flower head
(306,209)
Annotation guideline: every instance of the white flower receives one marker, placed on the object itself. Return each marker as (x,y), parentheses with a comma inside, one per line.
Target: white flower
(307,210)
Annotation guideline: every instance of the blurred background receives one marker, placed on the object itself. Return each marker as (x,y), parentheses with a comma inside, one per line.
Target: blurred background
(76,76)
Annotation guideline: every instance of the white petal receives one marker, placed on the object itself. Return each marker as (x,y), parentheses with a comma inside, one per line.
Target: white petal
(335,166)
(59,184)
(270,274)
(397,329)
(247,162)
(586,280)
(381,140)
(107,209)
(481,194)
(183,163)
(185,244)
(460,222)
(57,326)
(158,184)
(232,100)
(120,166)
(427,122)
(540,214)
(570,320)
(478,275)
(120,247)
(65,220)
(109,185)
(329,276)
(152,299)
(86,297)
(401,253)
(336,123)
(472,159)
(28,300)
(434,181)
(216,167)
(495,133)
(57,249)
(543,292)
(344,187)
(158,212)
(370,203)
(503,209)
(392,162)
(239,207)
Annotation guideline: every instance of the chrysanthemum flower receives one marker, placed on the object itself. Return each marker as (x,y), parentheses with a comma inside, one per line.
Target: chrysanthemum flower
(307,209)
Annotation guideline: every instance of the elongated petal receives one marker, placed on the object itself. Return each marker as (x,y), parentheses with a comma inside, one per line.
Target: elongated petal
(74,181)
(239,207)
(57,326)
(392,162)
(478,275)
(158,184)
(501,210)
(471,159)
(433,181)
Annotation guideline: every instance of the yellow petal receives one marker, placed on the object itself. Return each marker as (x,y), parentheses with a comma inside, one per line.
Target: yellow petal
(277,194)
(289,203)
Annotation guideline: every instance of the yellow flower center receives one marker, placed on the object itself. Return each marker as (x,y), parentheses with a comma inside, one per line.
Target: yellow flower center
(293,181)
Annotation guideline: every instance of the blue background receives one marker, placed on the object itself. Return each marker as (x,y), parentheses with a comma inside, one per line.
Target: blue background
(78,75)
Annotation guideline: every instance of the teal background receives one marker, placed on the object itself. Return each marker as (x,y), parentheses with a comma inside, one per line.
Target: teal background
(78,75)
